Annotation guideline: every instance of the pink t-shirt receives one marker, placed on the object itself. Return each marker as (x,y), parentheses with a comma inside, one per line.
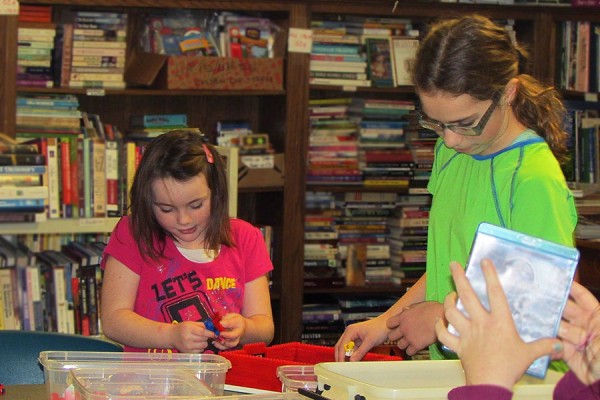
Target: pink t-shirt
(177,289)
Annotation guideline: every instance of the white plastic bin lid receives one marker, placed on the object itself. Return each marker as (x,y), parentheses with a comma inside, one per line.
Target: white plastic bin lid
(417,379)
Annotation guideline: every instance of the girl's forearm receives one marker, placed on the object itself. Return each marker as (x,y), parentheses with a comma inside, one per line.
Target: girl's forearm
(259,328)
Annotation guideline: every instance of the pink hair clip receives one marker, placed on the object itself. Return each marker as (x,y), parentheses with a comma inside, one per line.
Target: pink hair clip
(209,156)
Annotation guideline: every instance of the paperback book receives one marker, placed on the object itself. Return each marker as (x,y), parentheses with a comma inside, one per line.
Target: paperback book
(536,276)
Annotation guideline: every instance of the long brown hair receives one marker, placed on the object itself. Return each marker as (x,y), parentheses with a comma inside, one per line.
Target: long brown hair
(475,56)
(180,155)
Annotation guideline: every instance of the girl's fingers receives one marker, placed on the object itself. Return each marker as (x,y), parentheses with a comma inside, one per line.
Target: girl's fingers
(468,297)
(495,292)
(572,334)
(583,297)
(448,339)
(454,316)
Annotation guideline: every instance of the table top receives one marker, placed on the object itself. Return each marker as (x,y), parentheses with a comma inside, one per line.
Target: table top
(38,392)
(24,392)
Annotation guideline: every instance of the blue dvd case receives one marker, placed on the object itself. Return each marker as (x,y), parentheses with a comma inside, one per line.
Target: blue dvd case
(536,276)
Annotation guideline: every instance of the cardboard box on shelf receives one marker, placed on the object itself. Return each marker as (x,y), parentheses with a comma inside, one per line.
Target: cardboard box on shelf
(261,171)
(204,73)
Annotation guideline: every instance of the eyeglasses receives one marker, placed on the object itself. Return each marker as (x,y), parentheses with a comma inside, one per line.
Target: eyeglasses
(476,130)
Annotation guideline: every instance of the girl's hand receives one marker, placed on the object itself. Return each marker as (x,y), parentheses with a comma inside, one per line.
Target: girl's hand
(365,335)
(489,346)
(234,327)
(414,327)
(580,332)
(190,336)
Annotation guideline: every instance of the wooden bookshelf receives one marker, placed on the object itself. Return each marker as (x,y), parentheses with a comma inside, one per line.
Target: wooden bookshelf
(283,114)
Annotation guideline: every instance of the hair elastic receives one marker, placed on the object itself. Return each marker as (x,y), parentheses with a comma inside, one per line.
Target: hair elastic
(209,156)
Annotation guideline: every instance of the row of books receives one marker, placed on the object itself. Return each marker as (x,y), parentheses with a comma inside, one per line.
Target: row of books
(84,49)
(35,51)
(579,64)
(324,323)
(91,50)
(68,163)
(364,238)
(362,51)
(368,142)
(56,291)
(583,128)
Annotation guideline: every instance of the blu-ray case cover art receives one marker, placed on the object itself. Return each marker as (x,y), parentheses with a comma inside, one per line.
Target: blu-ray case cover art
(536,276)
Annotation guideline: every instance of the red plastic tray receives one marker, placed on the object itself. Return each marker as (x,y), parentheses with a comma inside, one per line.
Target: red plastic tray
(255,365)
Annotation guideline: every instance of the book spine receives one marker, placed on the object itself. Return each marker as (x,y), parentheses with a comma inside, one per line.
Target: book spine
(99,178)
(159,121)
(66,190)
(98,52)
(87,179)
(6,290)
(335,49)
(98,61)
(67,54)
(114,77)
(23,193)
(74,177)
(112,178)
(95,44)
(53,178)
(60,299)
(15,217)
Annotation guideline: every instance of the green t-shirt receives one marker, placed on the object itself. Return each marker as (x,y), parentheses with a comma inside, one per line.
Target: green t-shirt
(521,187)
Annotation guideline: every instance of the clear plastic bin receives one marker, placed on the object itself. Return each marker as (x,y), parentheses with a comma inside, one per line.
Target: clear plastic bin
(210,369)
(139,382)
(293,377)
(134,382)
(431,380)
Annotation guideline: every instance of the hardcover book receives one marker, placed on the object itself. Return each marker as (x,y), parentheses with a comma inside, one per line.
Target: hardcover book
(536,276)
(381,71)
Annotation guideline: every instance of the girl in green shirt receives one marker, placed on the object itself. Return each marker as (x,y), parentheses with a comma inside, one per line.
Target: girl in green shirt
(496,160)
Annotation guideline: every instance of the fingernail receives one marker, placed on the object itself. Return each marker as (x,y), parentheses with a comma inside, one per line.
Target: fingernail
(557,347)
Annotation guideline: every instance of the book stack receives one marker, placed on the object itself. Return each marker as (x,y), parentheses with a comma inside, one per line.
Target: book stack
(362,51)
(35,13)
(337,57)
(146,127)
(34,54)
(231,133)
(70,283)
(47,114)
(54,120)
(422,144)
(23,193)
(322,323)
(580,56)
(408,237)
(384,158)
(20,304)
(362,237)
(321,259)
(333,144)
(93,48)
(361,309)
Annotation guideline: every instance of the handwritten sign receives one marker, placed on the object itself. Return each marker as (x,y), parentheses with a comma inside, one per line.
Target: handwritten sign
(9,7)
(300,40)
(224,73)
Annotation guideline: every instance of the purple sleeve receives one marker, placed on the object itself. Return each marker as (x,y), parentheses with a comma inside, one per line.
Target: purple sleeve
(571,388)
(478,392)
